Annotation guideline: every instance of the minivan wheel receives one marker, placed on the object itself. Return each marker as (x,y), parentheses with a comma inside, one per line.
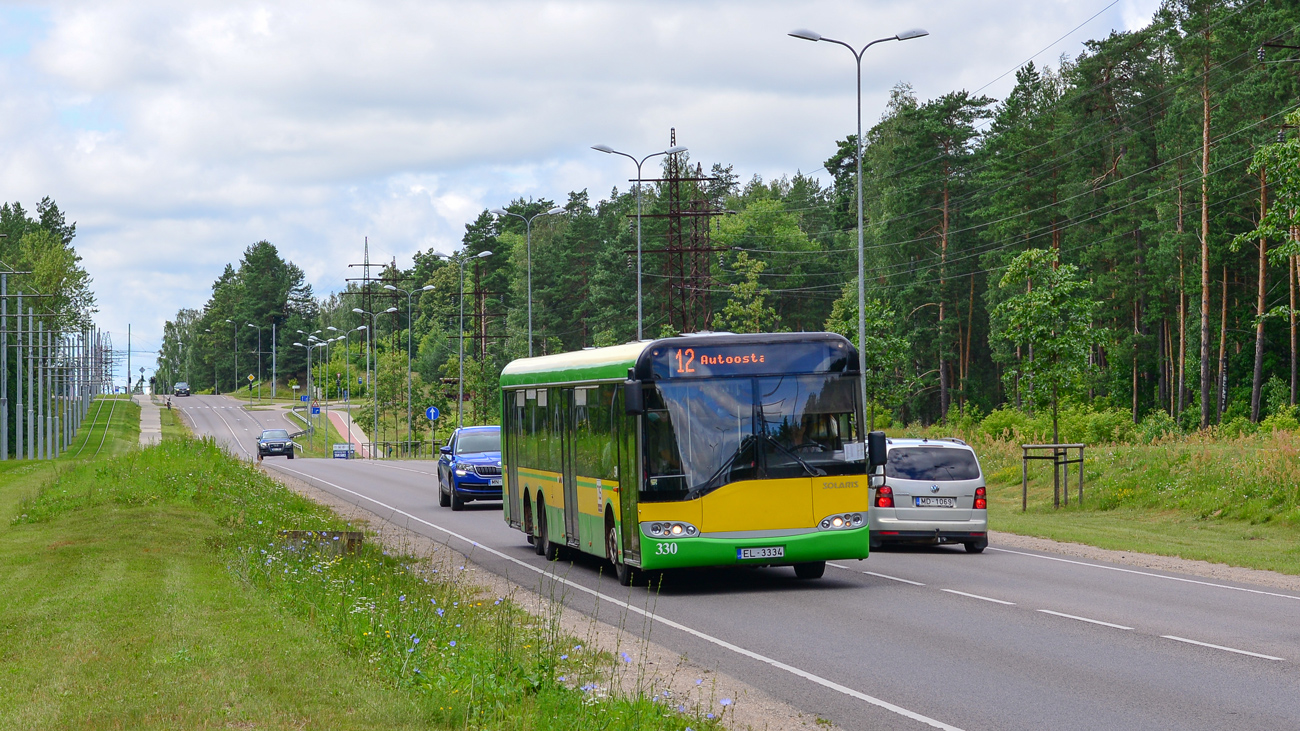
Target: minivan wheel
(457,502)
(811,570)
(977,546)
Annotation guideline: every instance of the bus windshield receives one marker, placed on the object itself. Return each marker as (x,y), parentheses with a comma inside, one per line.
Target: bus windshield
(701,435)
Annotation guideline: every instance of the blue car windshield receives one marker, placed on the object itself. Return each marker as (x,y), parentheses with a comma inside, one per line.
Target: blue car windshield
(472,442)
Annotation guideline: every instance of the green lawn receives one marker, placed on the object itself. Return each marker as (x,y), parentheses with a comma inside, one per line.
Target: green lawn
(1234,501)
(151,589)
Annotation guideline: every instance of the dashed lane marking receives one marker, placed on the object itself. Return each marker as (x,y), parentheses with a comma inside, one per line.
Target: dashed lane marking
(1084,619)
(1221,647)
(981,598)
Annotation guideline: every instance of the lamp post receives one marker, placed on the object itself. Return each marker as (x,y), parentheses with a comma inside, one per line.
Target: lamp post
(347,370)
(259,360)
(528,230)
(409,328)
(460,381)
(611,151)
(208,330)
(374,436)
(234,347)
(906,35)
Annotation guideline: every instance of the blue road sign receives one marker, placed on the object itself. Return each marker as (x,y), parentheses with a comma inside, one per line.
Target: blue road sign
(304,398)
(315,410)
(431,413)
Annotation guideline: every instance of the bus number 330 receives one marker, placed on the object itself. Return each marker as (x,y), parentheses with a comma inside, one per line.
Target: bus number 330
(663,548)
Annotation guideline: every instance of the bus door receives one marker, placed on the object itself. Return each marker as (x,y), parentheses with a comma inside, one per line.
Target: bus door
(627,432)
(513,406)
(564,424)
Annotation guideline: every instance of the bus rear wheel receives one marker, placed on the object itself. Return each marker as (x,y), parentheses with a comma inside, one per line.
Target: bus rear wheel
(811,570)
(543,544)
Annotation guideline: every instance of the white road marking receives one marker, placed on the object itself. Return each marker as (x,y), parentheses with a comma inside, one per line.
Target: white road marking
(233,434)
(378,463)
(1147,573)
(649,615)
(893,578)
(1221,647)
(1084,619)
(977,596)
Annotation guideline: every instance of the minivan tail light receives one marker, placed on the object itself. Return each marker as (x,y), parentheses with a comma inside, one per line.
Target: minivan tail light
(884,496)
(981,499)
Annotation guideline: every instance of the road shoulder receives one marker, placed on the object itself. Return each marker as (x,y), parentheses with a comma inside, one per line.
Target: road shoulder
(652,667)
(1171,564)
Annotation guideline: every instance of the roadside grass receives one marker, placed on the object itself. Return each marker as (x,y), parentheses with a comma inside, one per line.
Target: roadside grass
(110,427)
(173,426)
(326,436)
(1226,500)
(153,590)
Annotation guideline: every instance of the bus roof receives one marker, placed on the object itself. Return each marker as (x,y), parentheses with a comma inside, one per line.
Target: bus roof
(612,363)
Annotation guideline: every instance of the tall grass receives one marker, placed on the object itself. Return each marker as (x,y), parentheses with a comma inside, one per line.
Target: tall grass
(469,660)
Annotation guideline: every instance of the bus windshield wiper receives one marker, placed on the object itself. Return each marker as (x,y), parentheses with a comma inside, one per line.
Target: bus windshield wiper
(716,480)
(812,471)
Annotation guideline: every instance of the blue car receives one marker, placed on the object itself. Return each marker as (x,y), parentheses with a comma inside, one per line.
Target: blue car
(469,467)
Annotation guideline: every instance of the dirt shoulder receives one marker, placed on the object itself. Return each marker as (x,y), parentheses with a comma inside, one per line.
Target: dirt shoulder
(649,667)
(1172,564)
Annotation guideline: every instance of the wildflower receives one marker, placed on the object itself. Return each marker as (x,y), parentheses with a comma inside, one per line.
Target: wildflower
(259,522)
(417,641)
(433,601)
(681,708)
(725,702)
(699,681)
(410,649)
(497,601)
(440,612)
(708,715)
(401,598)
(564,657)
(561,678)
(577,648)
(625,657)
(452,643)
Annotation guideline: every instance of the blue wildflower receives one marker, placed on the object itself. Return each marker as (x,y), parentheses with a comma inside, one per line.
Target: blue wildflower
(401,598)
(725,702)
(440,612)
(564,657)
(452,643)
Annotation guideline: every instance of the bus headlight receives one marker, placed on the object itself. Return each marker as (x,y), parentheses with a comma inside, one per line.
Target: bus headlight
(840,521)
(669,529)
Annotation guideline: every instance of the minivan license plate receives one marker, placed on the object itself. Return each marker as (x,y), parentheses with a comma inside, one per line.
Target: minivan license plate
(936,502)
(767,552)
(494,482)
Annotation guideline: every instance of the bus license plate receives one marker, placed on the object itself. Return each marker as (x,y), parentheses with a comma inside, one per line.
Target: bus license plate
(768,552)
(936,502)
(495,482)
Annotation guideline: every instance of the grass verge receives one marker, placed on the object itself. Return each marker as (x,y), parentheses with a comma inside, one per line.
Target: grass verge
(153,590)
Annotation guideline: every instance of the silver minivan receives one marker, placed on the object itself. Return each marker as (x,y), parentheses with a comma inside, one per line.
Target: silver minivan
(932,492)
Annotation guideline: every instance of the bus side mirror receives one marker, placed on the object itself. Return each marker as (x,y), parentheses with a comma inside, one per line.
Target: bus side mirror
(633,398)
(876,450)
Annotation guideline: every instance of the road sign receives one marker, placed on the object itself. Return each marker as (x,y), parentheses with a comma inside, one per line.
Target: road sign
(315,410)
(304,398)
(250,377)
(431,413)
(343,451)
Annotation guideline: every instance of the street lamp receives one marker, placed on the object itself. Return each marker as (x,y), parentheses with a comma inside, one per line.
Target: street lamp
(234,346)
(460,382)
(259,359)
(311,390)
(906,35)
(528,229)
(409,328)
(374,437)
(208,330)
(347,371)
(611,151)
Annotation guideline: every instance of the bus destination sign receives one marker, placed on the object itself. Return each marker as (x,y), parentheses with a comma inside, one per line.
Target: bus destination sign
(703,361)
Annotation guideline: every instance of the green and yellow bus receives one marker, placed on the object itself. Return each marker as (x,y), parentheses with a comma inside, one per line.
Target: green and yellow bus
(699,450)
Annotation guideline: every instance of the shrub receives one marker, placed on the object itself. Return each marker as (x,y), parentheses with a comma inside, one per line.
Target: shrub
(1007,423)
(1156,425)
(1284,420)
(1235,427)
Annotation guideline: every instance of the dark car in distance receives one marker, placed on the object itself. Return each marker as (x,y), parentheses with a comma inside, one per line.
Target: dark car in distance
(469,467)
(181,389)
(274,443)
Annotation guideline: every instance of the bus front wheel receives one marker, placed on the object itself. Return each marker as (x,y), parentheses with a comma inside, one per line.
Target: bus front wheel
(626,574)
(543,544)
(811,570)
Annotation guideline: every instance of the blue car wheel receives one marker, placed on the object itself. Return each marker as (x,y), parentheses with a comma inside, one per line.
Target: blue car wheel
(457,503)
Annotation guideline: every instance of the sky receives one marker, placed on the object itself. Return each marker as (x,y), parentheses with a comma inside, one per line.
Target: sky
(177,134)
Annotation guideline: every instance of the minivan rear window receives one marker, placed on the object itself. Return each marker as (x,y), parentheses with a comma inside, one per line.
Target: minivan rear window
(934,464)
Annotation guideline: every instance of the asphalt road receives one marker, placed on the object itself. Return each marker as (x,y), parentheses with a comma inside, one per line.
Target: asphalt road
(910,638)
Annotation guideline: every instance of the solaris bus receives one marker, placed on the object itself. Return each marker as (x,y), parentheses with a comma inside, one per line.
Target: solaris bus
(700,450)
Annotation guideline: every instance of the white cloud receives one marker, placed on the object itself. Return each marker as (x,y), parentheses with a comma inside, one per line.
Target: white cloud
(178,134)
